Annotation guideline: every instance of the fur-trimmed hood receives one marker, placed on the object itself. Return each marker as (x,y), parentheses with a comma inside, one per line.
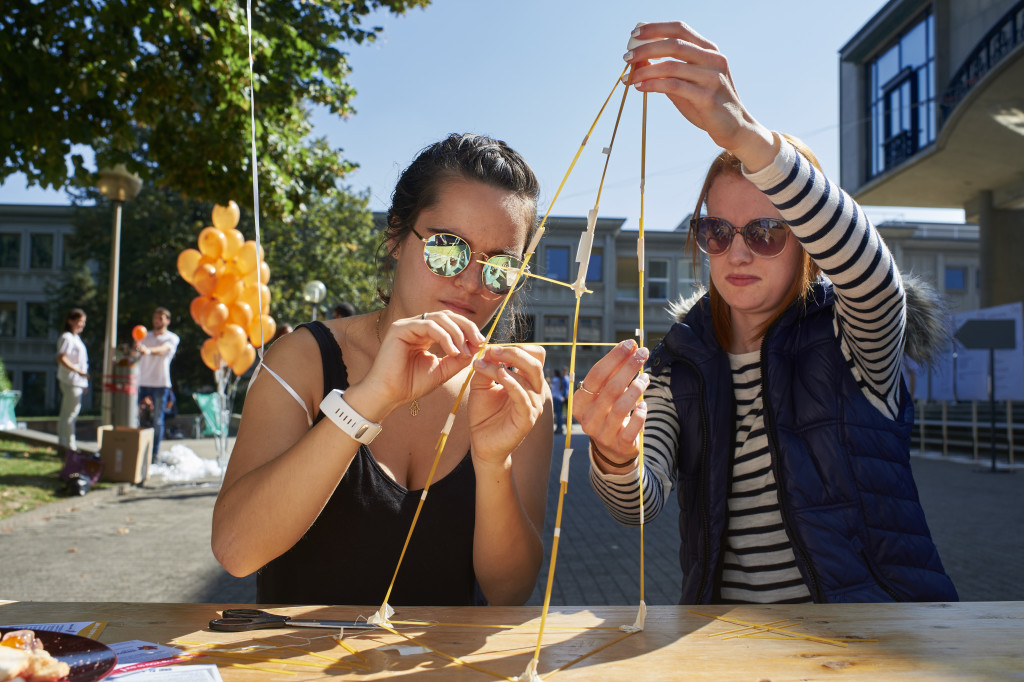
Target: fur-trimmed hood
(928,325)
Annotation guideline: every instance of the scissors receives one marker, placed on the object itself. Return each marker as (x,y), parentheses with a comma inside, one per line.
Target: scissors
(239,620)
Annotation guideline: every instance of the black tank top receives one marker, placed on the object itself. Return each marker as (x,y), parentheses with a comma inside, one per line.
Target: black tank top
(349,554)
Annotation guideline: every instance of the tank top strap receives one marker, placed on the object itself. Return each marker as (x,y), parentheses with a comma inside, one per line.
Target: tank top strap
(335,373)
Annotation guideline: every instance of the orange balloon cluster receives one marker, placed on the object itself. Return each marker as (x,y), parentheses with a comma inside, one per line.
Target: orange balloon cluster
(233,305)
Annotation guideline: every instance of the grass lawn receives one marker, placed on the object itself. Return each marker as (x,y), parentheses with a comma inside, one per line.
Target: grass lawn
(28,477)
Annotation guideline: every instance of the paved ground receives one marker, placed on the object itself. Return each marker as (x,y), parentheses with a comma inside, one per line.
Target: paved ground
(152,543)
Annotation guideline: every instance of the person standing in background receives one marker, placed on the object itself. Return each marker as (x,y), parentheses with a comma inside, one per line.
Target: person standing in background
(558,397)
(157,349)
(344,309)
(72,376)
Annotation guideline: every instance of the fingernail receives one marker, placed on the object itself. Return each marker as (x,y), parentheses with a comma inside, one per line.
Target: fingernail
(498,350)
(479,363)
(645,379)
(643,353)
(636,32)
(628,56)
(465,349)
(629,345)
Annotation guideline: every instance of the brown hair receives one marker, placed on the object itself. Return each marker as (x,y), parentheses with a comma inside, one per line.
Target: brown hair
(462,156)
(74,315)
(727,164)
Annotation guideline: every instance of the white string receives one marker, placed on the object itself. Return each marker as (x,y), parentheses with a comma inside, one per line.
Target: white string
(255,178)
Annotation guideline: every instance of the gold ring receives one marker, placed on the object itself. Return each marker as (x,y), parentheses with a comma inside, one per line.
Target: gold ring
(581,387)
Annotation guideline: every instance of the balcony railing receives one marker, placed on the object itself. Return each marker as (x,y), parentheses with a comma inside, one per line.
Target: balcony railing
(899,147)
(1003,38)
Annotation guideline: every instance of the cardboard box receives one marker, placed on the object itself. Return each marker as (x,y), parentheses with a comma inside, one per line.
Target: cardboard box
(125,453)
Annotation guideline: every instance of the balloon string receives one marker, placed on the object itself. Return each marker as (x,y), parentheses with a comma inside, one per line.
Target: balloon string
(255,178)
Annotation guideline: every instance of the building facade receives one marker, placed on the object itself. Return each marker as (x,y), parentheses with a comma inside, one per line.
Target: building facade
(32,254)
(943,254)
(31,259)
(611,313)
(932,115)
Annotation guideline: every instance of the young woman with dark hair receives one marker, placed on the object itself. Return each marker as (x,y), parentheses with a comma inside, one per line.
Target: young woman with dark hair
(72,376)
(322,514)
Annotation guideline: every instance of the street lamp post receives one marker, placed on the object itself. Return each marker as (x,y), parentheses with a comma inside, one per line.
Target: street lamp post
(314,292)
(118,185)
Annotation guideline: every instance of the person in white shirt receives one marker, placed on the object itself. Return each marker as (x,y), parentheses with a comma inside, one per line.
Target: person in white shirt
(157,349)
(72,376)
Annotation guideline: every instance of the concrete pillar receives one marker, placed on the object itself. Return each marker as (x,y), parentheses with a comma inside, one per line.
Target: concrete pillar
(1001,252)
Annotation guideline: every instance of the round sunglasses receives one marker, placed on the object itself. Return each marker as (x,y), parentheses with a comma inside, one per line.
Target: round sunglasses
(448,254)
(765,237)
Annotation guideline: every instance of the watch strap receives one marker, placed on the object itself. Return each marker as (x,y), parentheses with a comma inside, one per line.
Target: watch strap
(347,419)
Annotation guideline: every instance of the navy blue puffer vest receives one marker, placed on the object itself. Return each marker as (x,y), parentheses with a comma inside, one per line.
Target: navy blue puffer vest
(848,497)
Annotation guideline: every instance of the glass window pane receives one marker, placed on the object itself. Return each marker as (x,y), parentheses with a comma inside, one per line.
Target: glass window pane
(10,250)
(40,254)
(595,271)
(8,318)
(913,46)
(657,269)
(37,324)
(556,263)
(888,65)
(590,330)
(627,279)
(657,290)
(956,279)
(556,328)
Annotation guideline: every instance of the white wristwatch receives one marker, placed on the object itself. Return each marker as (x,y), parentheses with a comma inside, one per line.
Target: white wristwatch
(348,420)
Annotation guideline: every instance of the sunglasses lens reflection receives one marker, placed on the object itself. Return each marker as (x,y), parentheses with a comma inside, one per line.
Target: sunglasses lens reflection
(764,236)
(447,255)
(499,273)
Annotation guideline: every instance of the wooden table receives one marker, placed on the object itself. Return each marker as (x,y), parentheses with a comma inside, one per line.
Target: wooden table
(966,641)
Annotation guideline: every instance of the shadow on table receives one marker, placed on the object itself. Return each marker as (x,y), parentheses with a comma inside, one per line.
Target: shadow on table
(481,649)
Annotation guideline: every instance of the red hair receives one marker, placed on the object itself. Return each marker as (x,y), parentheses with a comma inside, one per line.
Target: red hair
(721,315)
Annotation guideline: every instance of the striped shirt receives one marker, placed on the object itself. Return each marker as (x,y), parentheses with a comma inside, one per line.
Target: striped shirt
(758,562)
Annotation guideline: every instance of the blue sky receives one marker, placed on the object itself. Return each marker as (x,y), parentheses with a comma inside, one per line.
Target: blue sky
(535,73)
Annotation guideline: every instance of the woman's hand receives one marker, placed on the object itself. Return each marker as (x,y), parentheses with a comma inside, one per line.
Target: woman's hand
(405,367)
(696,78)
(607,404)
(507,395)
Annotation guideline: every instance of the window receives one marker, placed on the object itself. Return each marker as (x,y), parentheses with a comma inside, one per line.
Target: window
(556,328)
(590,330)
(10,250)
(688,279)
(956,279)
(8,318)
(627,279)
(556,263)
(37,320)
(657,279)
(595,271)
(902,97)
(33,392)
(40,253)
